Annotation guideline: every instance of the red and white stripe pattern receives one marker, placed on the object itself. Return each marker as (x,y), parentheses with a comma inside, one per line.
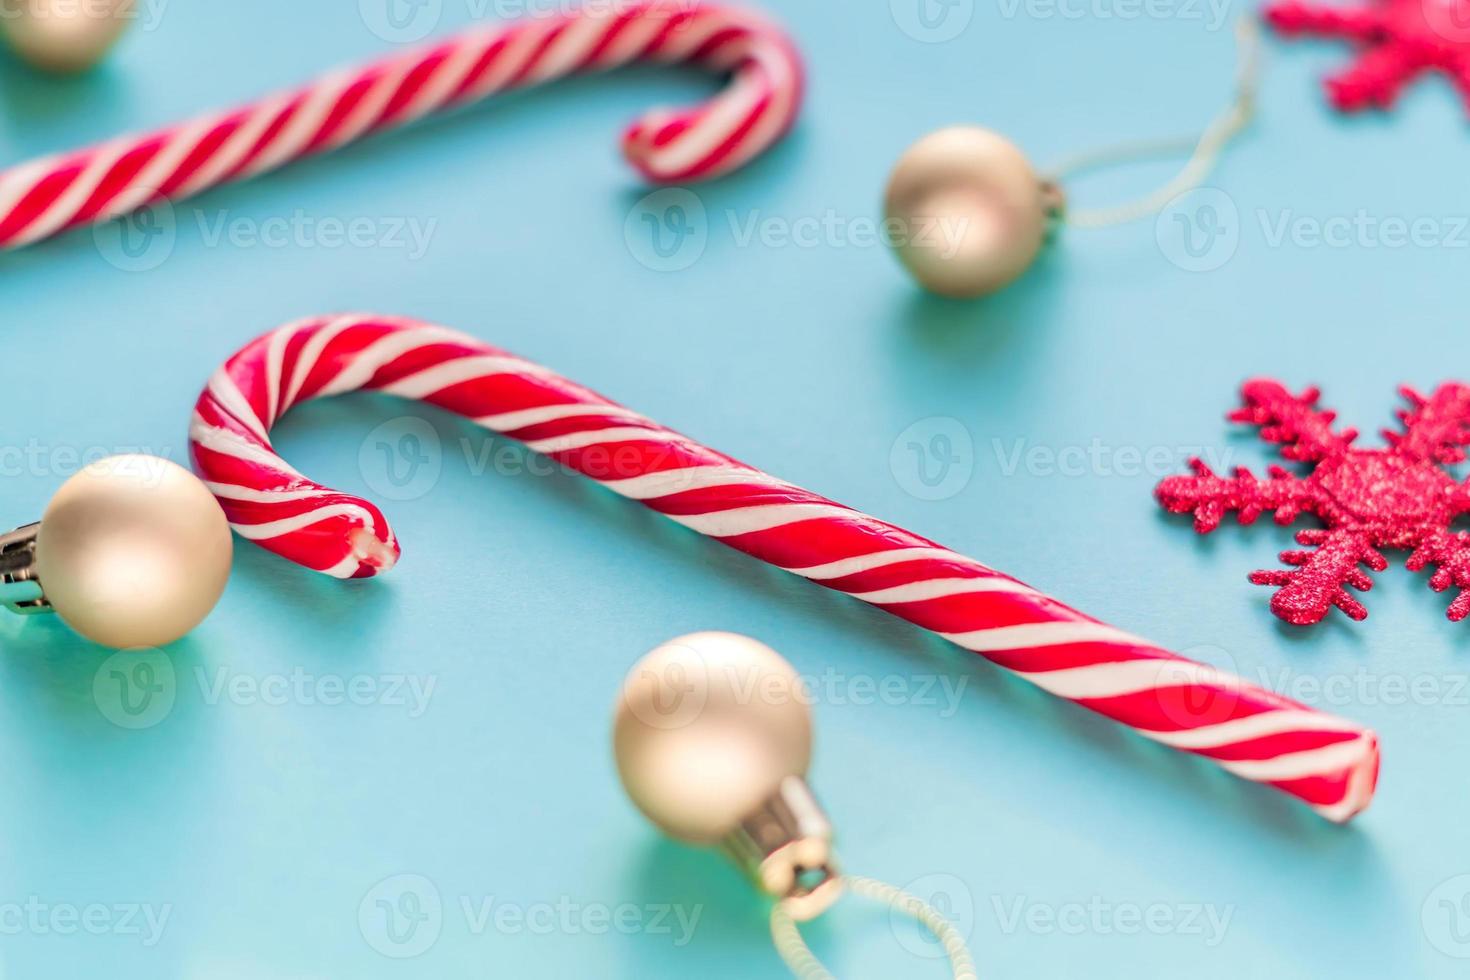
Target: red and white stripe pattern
(1327,762)
(42,198)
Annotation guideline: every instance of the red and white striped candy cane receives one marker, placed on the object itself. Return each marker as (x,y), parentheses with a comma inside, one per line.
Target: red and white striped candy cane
(1327,762)
(42,198)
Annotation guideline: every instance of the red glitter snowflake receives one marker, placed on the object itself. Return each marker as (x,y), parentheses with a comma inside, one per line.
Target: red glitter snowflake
(1400,40)
(1398,497)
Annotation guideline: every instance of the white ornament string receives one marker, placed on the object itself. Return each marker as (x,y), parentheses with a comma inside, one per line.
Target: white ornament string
(1206,149)
(804,965)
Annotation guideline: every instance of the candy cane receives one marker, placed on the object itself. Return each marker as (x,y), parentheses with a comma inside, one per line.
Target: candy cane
(45,197)
(1327,762)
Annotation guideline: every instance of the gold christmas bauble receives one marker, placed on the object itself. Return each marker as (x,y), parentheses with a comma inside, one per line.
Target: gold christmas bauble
(133,551)
(707,728)
(966,212)
(64,36)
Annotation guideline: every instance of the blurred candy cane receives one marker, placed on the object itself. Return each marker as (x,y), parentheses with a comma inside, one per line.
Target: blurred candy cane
(1329,763)
(42,198)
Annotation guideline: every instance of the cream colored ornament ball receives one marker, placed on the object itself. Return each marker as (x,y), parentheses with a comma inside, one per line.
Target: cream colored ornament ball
(133,551)
(64,36)
(967,212)
(707,727)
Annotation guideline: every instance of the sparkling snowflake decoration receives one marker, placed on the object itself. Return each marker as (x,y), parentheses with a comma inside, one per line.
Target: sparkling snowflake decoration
(1399,41)
(1395,497)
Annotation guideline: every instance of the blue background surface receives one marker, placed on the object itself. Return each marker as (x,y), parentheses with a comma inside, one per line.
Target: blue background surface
(264,829)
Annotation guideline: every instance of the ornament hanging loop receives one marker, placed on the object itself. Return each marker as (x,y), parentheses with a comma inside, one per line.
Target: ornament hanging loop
(803,963)
(1204,152)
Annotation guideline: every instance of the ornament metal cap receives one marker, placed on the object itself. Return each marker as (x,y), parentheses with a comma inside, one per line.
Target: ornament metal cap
(786,848)
(20,588)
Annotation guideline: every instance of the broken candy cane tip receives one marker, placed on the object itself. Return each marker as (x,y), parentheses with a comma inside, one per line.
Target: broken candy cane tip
(1326,762)
(1362,783)
(373,556)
